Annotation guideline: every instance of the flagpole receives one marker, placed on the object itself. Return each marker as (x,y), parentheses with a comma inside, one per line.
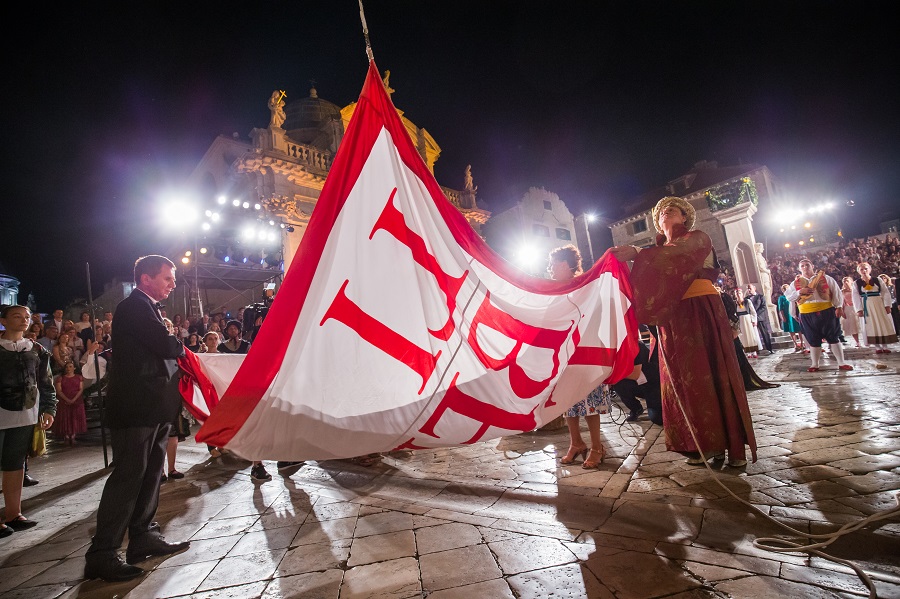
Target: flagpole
(99,383)
(362,17)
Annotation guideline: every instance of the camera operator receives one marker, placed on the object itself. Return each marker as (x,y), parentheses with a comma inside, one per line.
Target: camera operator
(255,314)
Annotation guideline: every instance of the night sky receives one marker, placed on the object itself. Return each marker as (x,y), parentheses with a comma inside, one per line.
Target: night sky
(596,101)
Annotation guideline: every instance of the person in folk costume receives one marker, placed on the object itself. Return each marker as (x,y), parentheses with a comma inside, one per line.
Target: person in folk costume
(705,409)
(789,323)
(872,300)
(819,301)
(849,321)
(895,315)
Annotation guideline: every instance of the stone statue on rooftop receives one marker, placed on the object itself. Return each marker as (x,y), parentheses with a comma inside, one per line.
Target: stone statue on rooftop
(276,106)
(765,273)
(469,184)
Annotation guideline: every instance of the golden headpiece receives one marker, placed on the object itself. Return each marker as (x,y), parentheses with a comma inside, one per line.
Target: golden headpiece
(689,213)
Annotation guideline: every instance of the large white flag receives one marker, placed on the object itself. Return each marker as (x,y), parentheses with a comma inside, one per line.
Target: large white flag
(397,327)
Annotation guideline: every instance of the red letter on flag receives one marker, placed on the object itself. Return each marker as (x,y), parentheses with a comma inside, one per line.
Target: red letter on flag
(387,340)
(392,221)
(494,318)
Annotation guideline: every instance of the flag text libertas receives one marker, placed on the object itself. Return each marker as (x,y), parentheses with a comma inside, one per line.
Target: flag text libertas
(382,336)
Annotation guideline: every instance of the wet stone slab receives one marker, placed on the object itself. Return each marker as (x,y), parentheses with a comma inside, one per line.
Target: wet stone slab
(315,585)
(654,521)
(825,456)
(871,482)
(869,463)
(171,582)
(878,445)
(871,503)
(383,523)
(631,575)
(383,547)
(458,567)
(767,586)
(265,540)
(805,474)
(530,553)
(314,557)
(446,536)
(233,571)
(573,581)
(495,589)
(737,561)
(395,579)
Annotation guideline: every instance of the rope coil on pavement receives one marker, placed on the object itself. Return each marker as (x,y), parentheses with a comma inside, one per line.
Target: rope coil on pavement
(768,543)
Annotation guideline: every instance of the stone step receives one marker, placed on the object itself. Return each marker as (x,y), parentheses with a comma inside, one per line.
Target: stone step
(782,340)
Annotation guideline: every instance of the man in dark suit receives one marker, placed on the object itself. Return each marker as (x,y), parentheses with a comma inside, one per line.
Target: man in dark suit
(759,302)
(142,403)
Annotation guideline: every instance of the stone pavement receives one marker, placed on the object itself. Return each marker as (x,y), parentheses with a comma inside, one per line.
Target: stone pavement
(503,519)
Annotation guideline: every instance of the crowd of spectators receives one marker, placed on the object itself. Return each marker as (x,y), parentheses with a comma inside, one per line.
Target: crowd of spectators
(840,260)
(73,345)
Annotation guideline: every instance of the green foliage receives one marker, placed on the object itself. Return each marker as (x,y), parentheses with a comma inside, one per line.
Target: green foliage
(732,194)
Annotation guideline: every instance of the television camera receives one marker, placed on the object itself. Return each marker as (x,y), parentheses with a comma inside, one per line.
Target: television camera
(255,314)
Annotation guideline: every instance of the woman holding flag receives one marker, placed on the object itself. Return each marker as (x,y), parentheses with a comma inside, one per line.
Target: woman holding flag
(705,410)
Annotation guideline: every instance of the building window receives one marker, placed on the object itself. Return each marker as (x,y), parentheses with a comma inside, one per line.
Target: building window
(563,234)
(540,230)
(548,205)
(638,226)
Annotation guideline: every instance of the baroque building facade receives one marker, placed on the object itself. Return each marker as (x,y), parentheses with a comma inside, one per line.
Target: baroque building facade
(275,179)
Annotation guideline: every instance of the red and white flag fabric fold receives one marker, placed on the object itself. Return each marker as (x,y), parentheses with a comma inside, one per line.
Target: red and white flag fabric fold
(397,327)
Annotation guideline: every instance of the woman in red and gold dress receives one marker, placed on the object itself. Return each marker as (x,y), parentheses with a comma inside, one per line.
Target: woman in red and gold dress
(702,387)
(71,419)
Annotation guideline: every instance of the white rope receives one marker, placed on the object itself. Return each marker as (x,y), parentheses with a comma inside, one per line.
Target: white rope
(362,17)
(790,546)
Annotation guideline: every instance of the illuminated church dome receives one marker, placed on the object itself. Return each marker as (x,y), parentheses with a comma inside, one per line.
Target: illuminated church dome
(310,120)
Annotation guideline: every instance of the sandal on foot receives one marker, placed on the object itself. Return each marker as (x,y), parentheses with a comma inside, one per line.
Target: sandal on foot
(573,454)
(594,462)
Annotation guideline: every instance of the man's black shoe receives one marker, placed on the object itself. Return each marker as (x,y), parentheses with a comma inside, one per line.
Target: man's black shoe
(29,482)
(21,523)
(634,415)
(258,473)
(149,545)
(111,569)
(288,465)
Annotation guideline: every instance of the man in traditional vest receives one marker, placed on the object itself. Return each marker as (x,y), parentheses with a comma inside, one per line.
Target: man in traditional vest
(819,302)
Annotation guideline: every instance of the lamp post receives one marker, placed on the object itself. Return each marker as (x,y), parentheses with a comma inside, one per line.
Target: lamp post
(581,222)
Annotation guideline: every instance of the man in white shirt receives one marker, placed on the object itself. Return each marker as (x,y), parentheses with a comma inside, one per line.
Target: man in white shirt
(820,306)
